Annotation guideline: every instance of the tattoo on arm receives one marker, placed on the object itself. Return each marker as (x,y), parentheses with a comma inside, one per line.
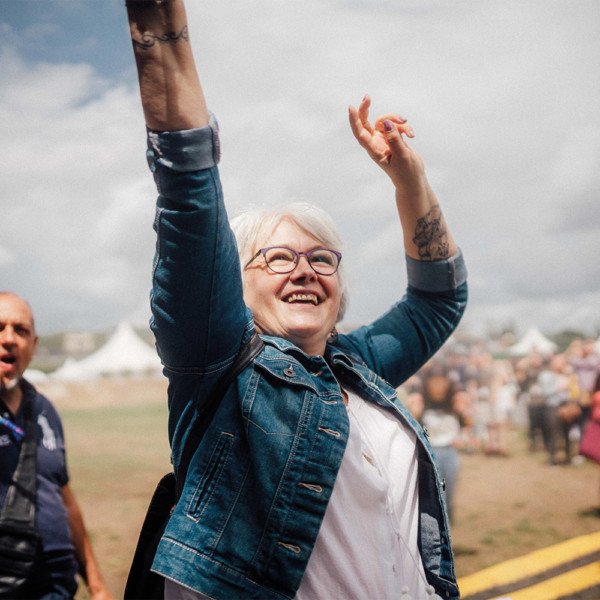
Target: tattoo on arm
(149,40)
(431,237)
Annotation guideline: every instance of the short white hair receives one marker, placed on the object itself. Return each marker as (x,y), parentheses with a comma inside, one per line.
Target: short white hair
(253,225)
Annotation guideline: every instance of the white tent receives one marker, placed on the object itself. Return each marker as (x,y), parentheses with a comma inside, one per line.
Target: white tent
(125,353)
(533,340)
(35,376)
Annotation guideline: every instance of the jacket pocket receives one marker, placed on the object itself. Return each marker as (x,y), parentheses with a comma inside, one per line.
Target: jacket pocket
(210,477)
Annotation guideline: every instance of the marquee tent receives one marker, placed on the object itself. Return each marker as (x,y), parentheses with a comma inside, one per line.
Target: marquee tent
(35,376)
(533,340)
(125,353)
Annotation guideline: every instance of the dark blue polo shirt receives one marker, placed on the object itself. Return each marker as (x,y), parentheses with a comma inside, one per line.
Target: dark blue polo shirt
(52,475)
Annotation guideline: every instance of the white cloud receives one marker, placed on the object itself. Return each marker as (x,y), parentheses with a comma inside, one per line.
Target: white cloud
(502,96)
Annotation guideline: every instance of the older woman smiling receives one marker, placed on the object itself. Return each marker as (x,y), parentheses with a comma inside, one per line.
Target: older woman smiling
(312,480)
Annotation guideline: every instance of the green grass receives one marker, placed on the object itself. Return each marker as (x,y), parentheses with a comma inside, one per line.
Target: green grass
(116,455)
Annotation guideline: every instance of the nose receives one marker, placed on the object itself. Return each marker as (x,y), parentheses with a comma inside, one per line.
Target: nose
(7,336)
(303,269)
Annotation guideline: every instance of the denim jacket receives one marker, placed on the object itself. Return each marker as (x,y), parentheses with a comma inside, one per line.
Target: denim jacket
(259,483)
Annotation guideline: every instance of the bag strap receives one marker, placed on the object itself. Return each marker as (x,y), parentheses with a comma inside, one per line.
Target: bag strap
(19,503)
(247,353)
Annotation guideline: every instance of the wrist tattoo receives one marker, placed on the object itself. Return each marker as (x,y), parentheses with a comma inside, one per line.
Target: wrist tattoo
(149,39)
(431,237)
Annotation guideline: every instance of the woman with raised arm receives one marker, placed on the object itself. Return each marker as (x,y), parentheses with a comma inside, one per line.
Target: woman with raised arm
(312,480)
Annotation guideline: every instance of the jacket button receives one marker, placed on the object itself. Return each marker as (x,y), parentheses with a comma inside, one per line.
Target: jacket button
(289,372)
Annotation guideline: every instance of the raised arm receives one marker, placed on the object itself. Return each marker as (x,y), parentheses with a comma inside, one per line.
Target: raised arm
(426,235)
(198,314)
(172,96)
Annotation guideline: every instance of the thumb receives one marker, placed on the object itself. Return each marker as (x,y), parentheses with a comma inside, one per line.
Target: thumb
(393,135)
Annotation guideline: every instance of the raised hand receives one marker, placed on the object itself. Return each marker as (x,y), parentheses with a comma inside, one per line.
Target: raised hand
(385,144)
(426,236)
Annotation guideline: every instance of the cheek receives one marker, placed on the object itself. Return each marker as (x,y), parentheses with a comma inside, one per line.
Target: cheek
(333,291)
(259,290)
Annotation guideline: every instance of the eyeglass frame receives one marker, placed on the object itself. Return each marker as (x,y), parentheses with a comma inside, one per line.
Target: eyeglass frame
(263,251)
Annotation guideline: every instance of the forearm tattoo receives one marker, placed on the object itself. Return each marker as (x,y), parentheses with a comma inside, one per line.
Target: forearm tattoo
(149,40)
(431,236)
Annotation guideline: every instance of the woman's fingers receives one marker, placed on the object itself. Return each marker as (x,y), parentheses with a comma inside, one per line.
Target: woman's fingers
(363,113)
(400,123)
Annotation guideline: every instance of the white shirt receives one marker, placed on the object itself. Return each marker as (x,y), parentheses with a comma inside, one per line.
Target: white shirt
(367,544)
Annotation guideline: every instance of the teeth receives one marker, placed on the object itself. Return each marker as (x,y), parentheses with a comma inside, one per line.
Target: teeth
(303,298)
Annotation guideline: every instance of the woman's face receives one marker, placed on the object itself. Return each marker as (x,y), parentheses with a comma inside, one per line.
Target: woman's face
(300,306)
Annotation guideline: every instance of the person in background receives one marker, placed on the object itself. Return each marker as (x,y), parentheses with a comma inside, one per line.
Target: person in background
(590,437)
(66,546)
(553,382)
(527,371)
(312,479)
(500,404)
(585,361)
(442,422)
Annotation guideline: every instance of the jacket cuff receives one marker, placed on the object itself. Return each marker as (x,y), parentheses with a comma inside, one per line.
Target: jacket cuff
(186,150)
(437,275)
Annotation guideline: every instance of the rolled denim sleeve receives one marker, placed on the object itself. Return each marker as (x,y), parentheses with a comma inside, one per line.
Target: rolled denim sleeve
(187,150)
(437,275)
(400,341)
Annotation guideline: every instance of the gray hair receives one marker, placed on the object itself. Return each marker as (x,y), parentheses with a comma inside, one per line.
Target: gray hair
(253,226)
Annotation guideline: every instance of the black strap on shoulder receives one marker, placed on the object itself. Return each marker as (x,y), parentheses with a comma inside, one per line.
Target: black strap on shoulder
(247,353)
(19,503)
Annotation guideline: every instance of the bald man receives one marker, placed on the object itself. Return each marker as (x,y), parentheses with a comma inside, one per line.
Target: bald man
(67,549)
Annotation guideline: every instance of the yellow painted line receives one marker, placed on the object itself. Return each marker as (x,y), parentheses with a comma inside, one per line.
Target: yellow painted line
(530,564)
(560,586)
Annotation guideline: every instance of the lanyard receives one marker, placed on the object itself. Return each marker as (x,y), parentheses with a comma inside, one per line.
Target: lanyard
(15,429)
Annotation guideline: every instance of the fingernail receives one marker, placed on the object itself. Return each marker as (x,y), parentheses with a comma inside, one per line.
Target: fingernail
(388,126)
(410,133)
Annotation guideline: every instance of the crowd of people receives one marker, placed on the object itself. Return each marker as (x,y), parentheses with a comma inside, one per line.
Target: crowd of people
(468,401)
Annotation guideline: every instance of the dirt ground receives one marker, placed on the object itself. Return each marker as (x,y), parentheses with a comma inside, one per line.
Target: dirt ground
(117,447)
(509,506)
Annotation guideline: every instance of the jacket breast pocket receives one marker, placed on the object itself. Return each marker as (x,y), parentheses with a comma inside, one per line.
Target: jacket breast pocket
(276,400)
(210,479)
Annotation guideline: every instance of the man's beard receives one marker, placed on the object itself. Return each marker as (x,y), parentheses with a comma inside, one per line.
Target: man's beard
(8,386)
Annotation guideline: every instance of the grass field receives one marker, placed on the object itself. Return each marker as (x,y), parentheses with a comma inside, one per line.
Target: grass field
(117,449)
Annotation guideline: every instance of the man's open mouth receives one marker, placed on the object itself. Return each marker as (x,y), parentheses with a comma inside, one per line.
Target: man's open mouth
(8,359)
(303,298)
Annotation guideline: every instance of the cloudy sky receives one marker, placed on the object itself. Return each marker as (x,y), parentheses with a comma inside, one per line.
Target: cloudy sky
(503,96)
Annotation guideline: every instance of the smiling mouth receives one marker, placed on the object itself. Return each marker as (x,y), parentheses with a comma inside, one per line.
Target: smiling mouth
(302,299)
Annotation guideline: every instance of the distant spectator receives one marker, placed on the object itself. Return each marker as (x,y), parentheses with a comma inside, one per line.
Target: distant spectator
(527,371)
(500,405)
(586,365)
(554,381)
(443,426)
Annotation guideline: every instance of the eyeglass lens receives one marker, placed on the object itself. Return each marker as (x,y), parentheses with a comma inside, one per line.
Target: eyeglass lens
(284,260)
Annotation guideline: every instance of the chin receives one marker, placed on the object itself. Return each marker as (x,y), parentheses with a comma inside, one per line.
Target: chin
(8,385)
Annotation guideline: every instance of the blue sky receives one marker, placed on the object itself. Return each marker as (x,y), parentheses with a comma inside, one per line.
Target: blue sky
(69,31)
(502,95)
